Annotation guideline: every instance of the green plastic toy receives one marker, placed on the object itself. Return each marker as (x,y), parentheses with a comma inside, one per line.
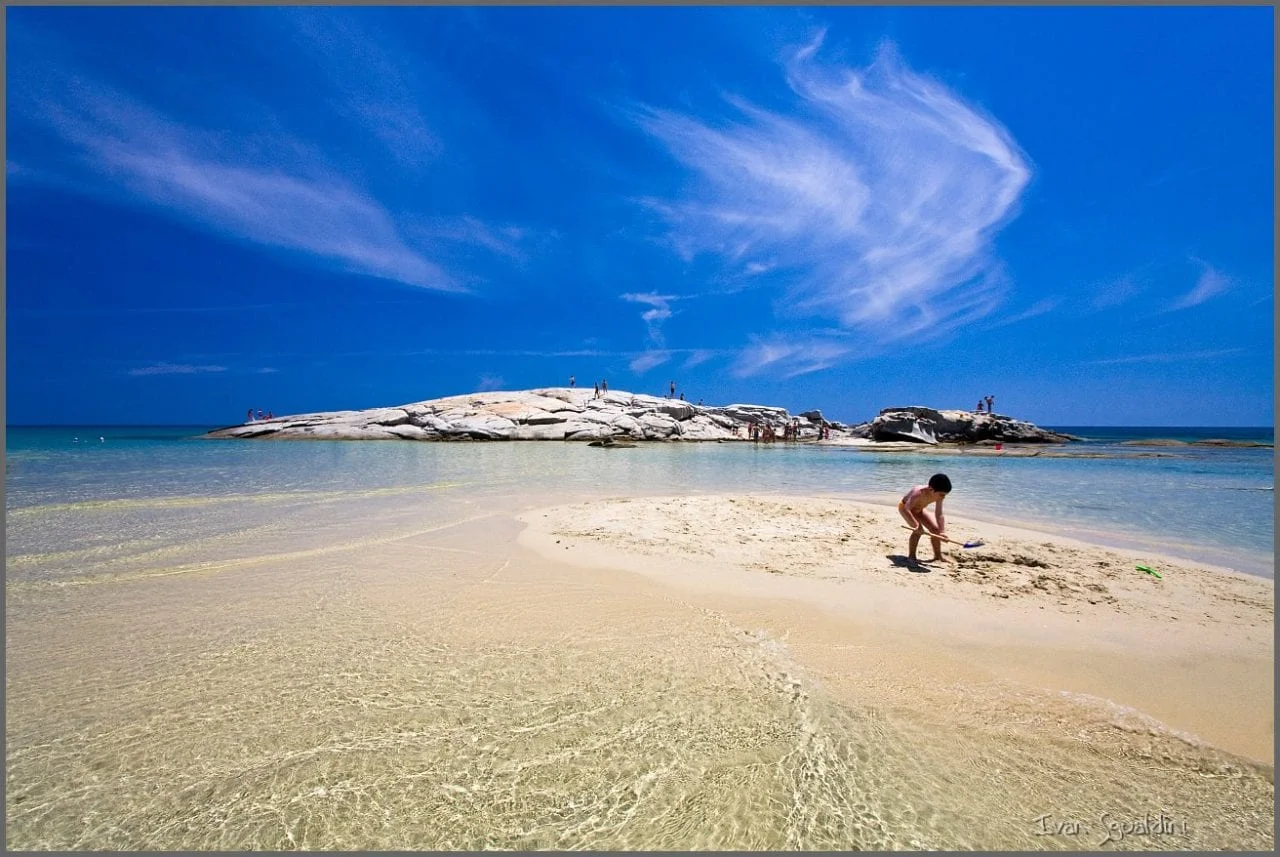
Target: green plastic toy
(1151,571)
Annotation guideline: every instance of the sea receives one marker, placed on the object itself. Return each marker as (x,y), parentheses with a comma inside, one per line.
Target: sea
(335,645)
(118,490)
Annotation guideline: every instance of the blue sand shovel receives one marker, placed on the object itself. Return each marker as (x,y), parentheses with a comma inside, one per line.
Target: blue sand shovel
(976,543)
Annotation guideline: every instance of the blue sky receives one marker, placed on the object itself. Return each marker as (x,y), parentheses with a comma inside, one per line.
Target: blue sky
(305,209)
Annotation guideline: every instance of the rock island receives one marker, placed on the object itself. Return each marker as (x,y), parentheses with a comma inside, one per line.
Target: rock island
(569,413)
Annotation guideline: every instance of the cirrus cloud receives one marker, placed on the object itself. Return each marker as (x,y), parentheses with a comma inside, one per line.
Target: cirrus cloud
(658,312)
(880,188)
(790,358)
(175,369)
(1210,284)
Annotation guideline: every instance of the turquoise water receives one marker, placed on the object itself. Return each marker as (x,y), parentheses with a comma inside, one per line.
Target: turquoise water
(1107,435)
(75,495)
(384,668)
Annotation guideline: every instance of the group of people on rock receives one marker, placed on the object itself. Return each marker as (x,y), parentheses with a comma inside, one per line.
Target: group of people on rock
(600,386)
(261,416)
(764,432)
(672,394)
(991,405)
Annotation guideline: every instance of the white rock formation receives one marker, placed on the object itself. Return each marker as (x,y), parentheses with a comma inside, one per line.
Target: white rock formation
(565,413)
(558,413)
(927,425)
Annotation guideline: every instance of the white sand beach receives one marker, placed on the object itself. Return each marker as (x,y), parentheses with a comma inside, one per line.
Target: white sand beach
(1193,648)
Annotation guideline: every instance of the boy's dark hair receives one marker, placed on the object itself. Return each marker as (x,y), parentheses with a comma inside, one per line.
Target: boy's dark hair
(940,483)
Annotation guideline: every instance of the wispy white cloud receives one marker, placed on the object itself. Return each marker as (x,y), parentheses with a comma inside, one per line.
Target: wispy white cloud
(1116,291)
(1040,307)
(881,188)
(205,178)
(698,356)
(1211,284)
(1168,357)
(373,85)
(790,358)
(15,171)
(648,360)
(658,312)
(500,240)
(259,182)
(175,369)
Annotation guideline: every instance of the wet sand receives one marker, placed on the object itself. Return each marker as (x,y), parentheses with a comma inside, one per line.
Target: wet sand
(1194,646)
(684,673)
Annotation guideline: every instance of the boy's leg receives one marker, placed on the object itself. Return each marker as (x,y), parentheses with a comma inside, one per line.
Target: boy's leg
(937,542)
(914,541)
(932,527)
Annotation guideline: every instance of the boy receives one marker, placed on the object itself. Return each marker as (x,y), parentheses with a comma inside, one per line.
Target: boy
(912,506)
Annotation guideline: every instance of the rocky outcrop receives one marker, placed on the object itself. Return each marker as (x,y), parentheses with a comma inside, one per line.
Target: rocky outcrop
(561,413)
(926,425)
(566,413)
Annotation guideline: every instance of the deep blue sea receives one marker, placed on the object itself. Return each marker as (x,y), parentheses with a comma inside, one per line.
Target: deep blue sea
(79,495)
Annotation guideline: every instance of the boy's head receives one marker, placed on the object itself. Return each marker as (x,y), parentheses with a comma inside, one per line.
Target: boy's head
(940,483)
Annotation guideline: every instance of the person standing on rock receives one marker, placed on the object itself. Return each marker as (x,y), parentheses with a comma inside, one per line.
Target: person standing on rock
(991,404)
(597,395)
(571,381)
(673,390)
(604,386)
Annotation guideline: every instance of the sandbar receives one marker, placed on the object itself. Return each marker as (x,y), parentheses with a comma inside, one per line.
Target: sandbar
(1193,648)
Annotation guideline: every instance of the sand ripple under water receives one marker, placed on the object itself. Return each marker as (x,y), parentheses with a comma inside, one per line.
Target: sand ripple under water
(443,687)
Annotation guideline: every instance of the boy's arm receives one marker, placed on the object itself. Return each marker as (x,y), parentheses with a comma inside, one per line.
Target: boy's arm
(942,524)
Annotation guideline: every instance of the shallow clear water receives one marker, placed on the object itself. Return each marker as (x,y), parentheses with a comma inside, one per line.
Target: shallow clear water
(1208,504)
(381,672)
